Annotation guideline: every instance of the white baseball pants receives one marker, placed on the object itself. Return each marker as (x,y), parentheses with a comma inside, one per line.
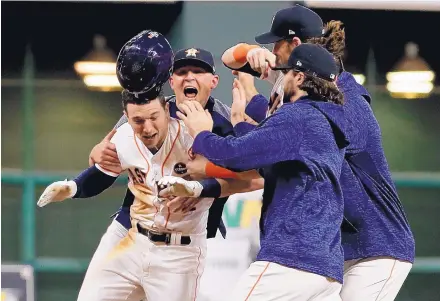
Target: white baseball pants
(374,279)
(139,269)
(114,234)
(268,281)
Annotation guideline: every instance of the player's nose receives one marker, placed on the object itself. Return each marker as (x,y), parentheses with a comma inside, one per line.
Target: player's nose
(148,127)
(189,76)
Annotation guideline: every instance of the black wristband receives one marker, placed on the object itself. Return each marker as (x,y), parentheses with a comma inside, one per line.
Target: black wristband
(211,188)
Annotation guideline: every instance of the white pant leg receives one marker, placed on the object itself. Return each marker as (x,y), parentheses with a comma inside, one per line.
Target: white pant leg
(264,281)
(117,275)
(374,279)
(174,271)
(114,234)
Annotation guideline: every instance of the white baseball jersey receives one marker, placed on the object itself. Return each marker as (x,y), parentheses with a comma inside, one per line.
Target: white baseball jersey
(276,78)
(145,169)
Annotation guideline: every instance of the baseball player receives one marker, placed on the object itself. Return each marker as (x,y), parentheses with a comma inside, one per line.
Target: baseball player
(158,73)
(164,252)
(376,236)
(299,150)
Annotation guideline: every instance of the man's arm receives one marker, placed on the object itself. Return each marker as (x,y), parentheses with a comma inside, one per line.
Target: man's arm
(251,151)
(93,181)
(251,59)
(257,107)
(215,188)
(207,188)
(230,187)
(260,104)
(214,171)
(234,58)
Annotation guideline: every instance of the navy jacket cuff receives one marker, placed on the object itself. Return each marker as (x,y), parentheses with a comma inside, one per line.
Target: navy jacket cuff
(257,108)
(242,128)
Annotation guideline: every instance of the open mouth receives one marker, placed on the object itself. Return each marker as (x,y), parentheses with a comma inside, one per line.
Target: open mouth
(149,137)
(190,92)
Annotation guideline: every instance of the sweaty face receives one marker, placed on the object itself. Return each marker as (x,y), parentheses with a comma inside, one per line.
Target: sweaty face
(193,83)
(149,122)
(282,50)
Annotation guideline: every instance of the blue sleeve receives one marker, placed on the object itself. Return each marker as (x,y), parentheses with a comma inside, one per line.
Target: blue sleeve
(211,188)
(276,139)
(92,182)
(257,108)
(242,128)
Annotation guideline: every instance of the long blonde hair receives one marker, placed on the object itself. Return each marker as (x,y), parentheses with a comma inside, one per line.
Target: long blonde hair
(333,39)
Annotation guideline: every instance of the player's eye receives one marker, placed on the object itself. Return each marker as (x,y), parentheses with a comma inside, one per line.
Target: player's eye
(181,72)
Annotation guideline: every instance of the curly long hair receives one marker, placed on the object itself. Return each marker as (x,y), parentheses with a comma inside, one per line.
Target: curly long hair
(333,39)
(322,90)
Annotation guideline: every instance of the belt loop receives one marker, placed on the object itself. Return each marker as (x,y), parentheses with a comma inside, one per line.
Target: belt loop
(176,238)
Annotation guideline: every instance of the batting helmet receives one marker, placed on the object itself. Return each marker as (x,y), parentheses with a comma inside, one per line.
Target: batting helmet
(144,63)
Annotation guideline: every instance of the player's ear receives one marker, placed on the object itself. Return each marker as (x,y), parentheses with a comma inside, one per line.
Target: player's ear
(300,78)
(214,81)
(296,41)
(167,108)
(171,81)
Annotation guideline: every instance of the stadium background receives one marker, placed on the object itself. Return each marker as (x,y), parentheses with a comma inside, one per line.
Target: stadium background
(51,120)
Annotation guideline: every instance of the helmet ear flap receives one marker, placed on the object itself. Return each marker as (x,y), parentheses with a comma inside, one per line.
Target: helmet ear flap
(145,63)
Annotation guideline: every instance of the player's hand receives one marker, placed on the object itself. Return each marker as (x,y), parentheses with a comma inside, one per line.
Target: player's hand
(57,192)
(195,117)
(175,186)
(249,120)
(182,204)
(238,103)
(248,83)
(196,167)
(104,153)
(260,59)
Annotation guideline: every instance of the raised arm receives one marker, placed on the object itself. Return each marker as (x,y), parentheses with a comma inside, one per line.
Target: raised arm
(251,151)
(251,59)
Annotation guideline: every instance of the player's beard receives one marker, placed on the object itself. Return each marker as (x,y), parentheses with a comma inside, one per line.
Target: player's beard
(287,96)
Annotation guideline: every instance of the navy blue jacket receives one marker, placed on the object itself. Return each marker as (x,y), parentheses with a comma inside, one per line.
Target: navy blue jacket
(376,224)
(299,150)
